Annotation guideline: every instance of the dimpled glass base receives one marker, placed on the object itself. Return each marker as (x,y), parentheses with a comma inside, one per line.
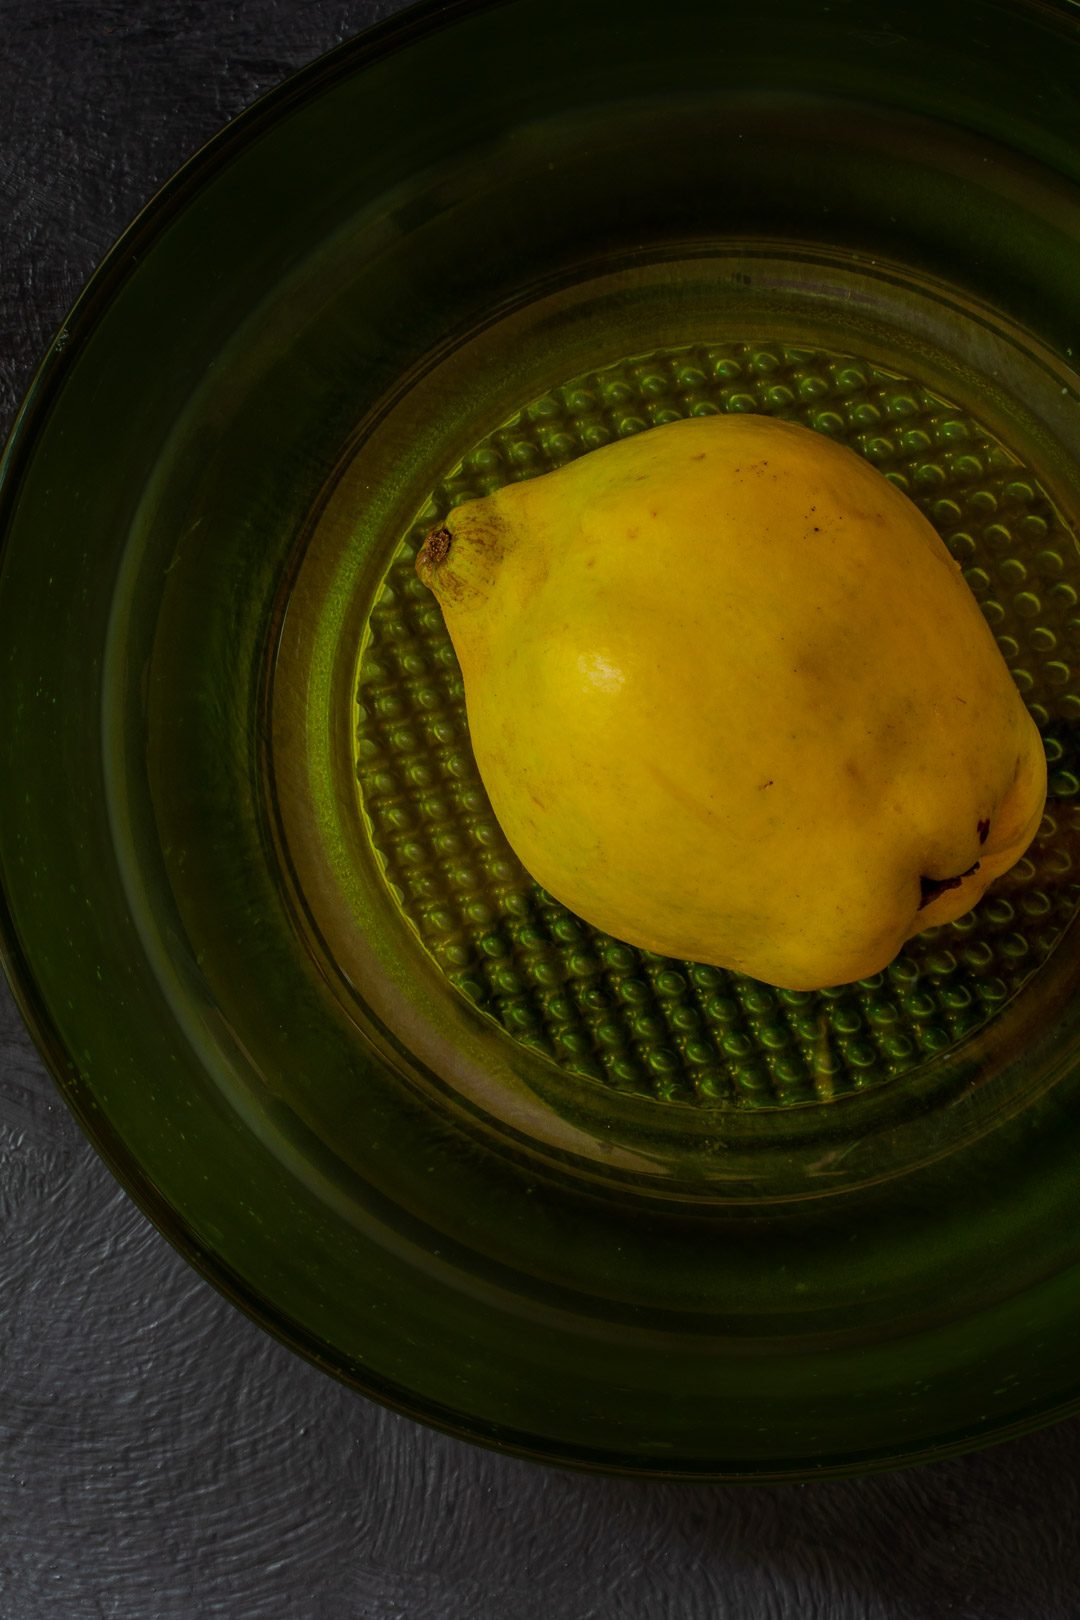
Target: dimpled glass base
(681,1031)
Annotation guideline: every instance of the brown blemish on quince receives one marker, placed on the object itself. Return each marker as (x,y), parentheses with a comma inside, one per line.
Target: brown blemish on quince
(435,548)
(931,888)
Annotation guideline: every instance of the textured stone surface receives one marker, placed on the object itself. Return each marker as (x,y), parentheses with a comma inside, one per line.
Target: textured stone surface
(161,1458)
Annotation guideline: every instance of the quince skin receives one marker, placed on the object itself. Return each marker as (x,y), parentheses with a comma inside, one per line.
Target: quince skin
(733,701)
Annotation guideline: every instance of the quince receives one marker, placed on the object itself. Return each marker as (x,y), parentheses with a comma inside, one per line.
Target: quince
(733,701)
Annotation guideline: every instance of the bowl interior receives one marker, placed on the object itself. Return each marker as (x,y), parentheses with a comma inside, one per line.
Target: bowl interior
(489,1165)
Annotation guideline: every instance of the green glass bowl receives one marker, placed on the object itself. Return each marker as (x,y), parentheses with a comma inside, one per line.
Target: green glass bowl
(485,1164)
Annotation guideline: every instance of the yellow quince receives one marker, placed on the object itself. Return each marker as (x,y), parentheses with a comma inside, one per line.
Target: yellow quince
(732,699)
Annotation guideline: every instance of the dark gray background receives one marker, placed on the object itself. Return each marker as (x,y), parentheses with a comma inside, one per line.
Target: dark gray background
(160,1457)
